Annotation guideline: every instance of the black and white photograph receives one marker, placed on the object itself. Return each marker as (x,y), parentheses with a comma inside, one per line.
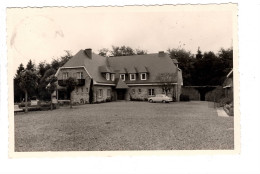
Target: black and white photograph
(132,78)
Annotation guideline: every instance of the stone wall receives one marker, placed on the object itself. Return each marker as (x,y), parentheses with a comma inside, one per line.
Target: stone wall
(141,92)
(81,93)
(104,97)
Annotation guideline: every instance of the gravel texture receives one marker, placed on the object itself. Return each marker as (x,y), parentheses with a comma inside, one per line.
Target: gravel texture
(125,126)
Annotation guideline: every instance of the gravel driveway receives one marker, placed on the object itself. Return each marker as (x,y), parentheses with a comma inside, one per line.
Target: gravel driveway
(125,126)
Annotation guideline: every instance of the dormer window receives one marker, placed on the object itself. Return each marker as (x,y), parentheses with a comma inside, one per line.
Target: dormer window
(113,77)
(143,76)
(107,76)
(132,77)
(122,76)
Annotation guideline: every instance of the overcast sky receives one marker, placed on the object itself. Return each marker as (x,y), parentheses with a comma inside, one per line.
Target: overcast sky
(44,33)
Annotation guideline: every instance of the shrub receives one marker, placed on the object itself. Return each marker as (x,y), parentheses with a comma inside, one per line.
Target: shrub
(22,104)
(224,101)
(184,97)
(138,99)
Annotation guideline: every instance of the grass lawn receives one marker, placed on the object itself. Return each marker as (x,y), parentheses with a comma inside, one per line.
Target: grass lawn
(125,126)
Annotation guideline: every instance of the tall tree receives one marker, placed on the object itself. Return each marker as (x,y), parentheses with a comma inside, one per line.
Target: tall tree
(55,64)
(103,52)
(91,92)
(52,86)
(140,52)
(206,71)
(122,51)
(199,54)
(18,93)
(226,57)
(71,83)
(20,69)
(186,61)
(30,66)
(43,93)
(65,58)
(167,80)
(43,67)
(27,81)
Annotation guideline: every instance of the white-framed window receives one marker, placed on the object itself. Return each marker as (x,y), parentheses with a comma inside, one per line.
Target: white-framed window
(151,92)
(113,77)
(64,75)
(107,76)
(132,77)
(122,76)
(108,92)
(100,93)
(79,75)
(143,76)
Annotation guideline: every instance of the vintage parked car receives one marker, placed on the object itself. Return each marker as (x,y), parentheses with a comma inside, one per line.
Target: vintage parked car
(160,98)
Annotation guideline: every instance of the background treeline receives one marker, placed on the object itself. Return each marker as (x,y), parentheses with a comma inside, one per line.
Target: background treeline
(203,69)
(200,69)
(41,78)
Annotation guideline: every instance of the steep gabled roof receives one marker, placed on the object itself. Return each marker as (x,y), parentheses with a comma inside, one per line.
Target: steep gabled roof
(150,63)
(104,69)
(121,84)
(91,64)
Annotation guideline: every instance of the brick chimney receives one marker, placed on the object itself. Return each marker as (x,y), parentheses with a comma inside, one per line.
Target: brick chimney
(88,52)
(161,54)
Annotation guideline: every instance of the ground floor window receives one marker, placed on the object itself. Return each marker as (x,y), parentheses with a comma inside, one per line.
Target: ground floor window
(87,90)
(100,93)
(151,91)
(139,91)
(108,92)
(133,91)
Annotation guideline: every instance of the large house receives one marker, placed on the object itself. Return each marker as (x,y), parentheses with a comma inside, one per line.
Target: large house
(102,79)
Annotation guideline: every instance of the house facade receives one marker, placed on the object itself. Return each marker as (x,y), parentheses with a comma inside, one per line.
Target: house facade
(136,77)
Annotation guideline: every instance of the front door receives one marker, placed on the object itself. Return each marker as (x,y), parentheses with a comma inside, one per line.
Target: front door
(121,94)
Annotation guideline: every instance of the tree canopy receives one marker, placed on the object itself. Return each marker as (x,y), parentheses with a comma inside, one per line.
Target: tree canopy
(44,71)
(203,69)
(121,51)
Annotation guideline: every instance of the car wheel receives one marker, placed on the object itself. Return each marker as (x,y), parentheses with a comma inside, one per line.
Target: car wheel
(151,101)
(164,101)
